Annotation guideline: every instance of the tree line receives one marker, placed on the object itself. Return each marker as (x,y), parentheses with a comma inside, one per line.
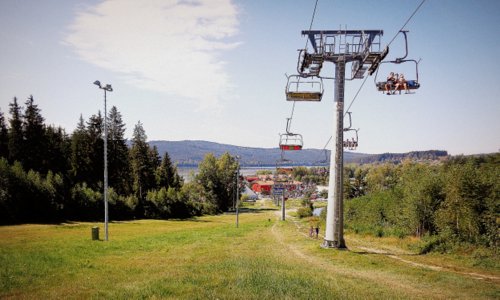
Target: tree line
(446,204)
(47,175)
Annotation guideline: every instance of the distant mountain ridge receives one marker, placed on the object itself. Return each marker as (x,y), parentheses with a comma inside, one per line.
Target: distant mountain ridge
(192,152)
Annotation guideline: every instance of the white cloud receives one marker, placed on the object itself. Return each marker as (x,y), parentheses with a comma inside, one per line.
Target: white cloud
(171,46)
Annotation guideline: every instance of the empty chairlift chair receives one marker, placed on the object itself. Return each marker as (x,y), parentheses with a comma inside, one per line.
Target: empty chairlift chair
(291,141)
(304,89)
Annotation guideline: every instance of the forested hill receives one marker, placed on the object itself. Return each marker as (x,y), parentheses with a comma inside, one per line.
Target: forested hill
(191,153)
(398,157)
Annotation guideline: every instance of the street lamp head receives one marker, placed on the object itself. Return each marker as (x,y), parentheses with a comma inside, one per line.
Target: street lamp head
(98,83)
(108,88)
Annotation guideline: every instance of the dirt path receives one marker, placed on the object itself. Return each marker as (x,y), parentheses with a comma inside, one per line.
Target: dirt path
(378,277)
(392,253)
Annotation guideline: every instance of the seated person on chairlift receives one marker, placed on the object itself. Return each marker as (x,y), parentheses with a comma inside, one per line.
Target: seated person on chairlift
(402,82)
(391,80)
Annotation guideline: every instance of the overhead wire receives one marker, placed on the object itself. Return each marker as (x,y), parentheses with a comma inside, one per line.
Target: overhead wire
(392,40)
(289,123)
(362,84)
(312,21)
(406,23)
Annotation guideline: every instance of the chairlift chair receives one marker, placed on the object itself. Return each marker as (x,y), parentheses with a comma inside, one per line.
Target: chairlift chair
(309,64)
(353,143)
(413,84)
(300,88)
(290,141)
(282,159)
(325,158)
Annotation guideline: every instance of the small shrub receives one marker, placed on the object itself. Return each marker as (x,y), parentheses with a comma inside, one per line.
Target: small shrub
(304,212)
(379,232)
(399,233)
(432,243)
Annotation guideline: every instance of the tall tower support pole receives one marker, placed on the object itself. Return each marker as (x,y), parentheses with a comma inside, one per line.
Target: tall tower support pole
(334,234)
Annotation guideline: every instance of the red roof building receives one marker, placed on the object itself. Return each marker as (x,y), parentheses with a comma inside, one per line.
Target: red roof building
(263,187)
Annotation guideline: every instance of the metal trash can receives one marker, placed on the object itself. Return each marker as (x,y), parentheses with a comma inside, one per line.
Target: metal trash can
(95,233)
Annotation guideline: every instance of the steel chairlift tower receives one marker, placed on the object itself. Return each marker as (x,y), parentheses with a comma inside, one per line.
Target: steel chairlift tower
(361,48)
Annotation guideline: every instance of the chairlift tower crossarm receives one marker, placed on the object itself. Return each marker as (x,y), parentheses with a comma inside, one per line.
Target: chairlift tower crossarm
(362,48)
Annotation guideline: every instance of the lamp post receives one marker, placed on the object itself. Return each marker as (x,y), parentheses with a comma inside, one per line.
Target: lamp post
(106,88)
(237,173)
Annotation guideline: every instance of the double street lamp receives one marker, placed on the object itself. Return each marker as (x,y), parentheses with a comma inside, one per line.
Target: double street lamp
(106,88)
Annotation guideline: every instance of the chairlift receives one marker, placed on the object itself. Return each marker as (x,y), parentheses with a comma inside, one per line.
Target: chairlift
(309,64)
(282,159)
(289,140)
(351,144)
(300,88)
(325,158)
(412,84)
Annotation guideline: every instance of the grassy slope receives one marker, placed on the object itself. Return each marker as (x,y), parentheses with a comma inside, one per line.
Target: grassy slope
(210,258)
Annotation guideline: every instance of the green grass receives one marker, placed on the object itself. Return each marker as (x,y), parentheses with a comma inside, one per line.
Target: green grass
(210,258)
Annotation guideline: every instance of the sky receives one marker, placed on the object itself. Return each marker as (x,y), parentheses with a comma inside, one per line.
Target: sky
(215,69)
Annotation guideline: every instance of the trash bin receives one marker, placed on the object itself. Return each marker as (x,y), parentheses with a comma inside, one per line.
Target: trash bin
(95,233)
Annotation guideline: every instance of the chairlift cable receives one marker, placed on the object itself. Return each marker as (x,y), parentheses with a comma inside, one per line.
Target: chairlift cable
(364,81)
(289,121)
(293,109)
(355,96)
(407,21)
(312,20)
(324,150)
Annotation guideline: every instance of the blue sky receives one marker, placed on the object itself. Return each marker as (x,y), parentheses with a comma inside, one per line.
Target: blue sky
(214,69)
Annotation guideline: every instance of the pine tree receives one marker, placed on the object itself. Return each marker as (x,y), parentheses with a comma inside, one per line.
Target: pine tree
(167,175)
(35,143)
(118,156)
(16,139)
(155,163)
(4,138)
(81,164)
(143,171)
(95,127)
(58,151)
